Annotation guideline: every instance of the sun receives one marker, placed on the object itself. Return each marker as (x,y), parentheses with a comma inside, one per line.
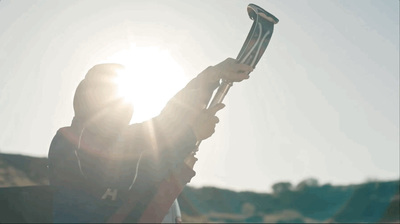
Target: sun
(150,78)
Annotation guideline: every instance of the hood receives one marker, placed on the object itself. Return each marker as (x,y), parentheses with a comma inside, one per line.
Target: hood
(97,93)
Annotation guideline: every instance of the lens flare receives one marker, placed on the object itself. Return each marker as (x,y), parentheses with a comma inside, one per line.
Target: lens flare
(150,78)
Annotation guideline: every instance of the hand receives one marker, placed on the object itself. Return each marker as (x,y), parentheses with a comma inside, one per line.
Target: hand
(204,124)
(178,220)
(190,160)
(231,70)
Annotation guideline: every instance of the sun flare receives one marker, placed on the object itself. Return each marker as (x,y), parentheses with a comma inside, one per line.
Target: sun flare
(150,78)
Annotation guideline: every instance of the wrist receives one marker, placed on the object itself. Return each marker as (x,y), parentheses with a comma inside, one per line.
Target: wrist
(196,134)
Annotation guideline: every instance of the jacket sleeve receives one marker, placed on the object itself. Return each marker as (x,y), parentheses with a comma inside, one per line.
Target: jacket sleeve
(164,143)
(168,140)
(180,111)
(169,134)
(63,167)
(192,98)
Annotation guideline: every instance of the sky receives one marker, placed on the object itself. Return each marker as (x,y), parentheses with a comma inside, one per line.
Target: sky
(323,101)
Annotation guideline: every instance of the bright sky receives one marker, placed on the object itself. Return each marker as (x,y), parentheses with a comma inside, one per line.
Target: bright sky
(323,102)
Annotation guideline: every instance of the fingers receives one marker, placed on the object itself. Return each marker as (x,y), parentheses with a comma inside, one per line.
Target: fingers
(204,125)
(214,120)
(217,107)
(190,160)
(238,77)
(232,70)
(238,67)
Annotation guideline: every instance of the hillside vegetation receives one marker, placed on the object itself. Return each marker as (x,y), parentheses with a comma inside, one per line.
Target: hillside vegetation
(375,201)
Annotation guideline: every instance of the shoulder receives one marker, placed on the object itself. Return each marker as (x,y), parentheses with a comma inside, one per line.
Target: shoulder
(63,139)
(142,131)
(63,134)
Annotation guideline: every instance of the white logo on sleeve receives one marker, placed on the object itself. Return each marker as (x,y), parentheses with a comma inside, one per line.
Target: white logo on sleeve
(110,192)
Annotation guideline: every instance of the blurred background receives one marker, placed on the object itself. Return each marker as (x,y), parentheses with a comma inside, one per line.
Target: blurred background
(312,136)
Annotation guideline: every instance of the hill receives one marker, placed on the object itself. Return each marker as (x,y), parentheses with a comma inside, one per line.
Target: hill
(307,202)
(19,170)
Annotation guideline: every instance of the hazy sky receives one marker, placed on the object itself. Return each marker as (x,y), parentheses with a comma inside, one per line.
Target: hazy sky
(323,102)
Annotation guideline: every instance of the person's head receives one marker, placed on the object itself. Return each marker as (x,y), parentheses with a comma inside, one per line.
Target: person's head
(97,104)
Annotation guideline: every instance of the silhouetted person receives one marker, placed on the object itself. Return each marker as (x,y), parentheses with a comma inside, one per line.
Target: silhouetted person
(101,167)
(174,214)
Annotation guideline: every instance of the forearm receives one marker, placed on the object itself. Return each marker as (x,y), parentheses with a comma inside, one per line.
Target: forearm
(207,79)
(193,97)
(177,138)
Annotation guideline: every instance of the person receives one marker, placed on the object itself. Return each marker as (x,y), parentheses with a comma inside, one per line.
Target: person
(174,214)
(104,169)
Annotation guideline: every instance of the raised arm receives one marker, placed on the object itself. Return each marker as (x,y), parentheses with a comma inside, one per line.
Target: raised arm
(187,105)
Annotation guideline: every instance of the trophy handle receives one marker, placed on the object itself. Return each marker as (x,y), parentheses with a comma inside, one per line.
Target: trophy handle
(253,48)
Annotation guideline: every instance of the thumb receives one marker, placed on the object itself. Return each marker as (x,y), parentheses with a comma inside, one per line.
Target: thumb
(214,109)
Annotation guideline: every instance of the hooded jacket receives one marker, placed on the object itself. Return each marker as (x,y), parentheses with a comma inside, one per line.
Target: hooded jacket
(131,169)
